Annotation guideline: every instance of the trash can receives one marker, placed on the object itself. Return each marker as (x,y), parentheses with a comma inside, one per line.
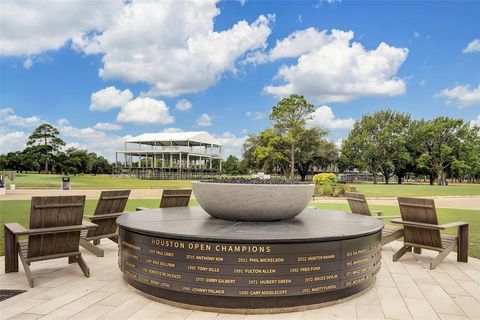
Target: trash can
(65,183)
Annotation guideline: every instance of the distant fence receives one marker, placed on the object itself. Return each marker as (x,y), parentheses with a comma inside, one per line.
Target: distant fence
(167,173)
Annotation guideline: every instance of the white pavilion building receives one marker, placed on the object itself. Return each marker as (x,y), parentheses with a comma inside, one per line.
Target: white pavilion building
(177,155)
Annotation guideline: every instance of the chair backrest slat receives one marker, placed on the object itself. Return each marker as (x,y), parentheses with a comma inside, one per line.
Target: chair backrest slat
(357,202)
(50,212)
(423,211)
(110,202)
(175,198)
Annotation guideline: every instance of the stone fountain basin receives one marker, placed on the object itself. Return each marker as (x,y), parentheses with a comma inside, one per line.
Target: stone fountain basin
(252,202)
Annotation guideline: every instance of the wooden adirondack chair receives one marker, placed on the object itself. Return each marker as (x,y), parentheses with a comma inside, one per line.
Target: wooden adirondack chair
(358,204)
(173,198)
(54,232)
(109,207)
(419,220)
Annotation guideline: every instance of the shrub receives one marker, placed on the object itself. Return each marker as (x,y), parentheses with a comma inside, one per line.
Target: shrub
(332,190)
(324,178)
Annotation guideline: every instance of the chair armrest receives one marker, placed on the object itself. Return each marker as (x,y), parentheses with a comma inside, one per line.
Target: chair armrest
(387,217)
(16,228)
(427,225)
(141,208)
(89,224)
(105,216)
(378,213)
(454,224)
(31,232)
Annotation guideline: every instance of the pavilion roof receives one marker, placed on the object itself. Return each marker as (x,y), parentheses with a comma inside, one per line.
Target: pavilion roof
(176,138)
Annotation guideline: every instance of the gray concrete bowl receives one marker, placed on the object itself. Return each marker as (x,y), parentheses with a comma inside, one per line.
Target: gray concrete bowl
(252,202)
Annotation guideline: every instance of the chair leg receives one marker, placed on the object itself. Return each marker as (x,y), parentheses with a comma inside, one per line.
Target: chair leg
(28,272)
(114,239)
(90,247)
(442,255)
(96,242)
(462,254)
(417,250)
(397,255)
(83,266)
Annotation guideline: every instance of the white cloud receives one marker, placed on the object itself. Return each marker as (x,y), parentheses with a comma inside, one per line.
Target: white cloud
(145,111)
(255,115)
(33,27)
(231,144)
(183,105)
(416,34)
(172,130)
(109,98)
(473,46)
(12,141)
(63,122)
(324,117)
(8,117)
(28,63)
(107,126)
(475,122)
(461,95)
(92,139)
(204,120)
(172,45)
(332,68)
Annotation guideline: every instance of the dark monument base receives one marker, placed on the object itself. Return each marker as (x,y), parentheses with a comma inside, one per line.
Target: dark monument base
(187,257)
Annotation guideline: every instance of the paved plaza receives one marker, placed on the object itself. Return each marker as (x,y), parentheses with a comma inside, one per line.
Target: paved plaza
(403,290)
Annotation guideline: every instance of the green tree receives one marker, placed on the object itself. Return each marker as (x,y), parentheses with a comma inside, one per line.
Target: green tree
(289,117)
(46,142)
(313,149)
(440,142)
(378,143)
(231,166)
(100,165)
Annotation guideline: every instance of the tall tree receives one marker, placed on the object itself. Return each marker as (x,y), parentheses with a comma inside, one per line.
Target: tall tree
(378,143)
(439,142)
(313,149)
(46,141)
(231,166)
(289,117)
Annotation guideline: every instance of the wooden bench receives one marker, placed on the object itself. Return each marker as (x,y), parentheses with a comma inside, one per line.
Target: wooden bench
(109,207)
(421,230)
(358,204)
(54,232)
(173,198)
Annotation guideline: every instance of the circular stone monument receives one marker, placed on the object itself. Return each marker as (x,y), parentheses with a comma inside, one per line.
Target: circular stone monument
(185,256)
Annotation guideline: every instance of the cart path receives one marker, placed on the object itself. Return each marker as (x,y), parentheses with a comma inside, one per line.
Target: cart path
(457,202)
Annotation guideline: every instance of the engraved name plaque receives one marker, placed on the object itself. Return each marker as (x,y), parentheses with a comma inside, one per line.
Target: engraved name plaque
(253,273)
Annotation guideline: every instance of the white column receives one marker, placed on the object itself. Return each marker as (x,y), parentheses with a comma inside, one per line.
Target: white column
(180,161)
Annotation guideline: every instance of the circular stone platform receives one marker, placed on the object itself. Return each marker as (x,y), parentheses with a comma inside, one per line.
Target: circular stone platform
(186,256)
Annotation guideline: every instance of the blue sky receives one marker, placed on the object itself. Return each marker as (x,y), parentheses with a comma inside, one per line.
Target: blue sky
(121,70)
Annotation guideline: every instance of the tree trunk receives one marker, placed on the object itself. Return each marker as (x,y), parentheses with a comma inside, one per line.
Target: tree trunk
(387,178)
(399,179)
(442,178)
(46,165)
(292,161)
(431,178)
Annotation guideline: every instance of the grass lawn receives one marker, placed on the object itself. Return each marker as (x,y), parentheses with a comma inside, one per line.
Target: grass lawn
(19,211)
(32,180)
(106,181)
(397,190)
